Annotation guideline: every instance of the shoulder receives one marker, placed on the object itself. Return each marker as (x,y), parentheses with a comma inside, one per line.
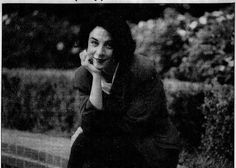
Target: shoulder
(143,68)
(81,72)
(82,77)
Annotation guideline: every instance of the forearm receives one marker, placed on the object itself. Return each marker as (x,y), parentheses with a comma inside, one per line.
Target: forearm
(90,116)
(96,92)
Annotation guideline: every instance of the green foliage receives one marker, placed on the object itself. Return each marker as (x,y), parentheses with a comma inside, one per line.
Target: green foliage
(218,109)
(209,53)
(188,48)
(201,160)
(204,115)
(38,40)
(184,103)
(159,40)
(37,101)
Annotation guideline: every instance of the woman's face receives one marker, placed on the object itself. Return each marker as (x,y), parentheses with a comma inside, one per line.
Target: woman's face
(100,48)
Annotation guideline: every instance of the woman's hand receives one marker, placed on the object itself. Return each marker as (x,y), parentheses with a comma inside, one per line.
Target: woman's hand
(96,90)
(87,62)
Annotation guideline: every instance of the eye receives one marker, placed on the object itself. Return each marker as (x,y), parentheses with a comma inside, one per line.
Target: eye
(94,43)
(109,45)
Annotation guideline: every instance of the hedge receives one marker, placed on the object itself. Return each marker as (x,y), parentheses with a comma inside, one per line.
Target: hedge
(37,100)
(218,110)
(43,100)
(184,104)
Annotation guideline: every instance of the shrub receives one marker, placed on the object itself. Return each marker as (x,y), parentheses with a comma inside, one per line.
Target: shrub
(204,115)
(209,49)
(201,160)
(218,110)
(37,101)
(38,40)
(184,104)
(190,49)
(158,39)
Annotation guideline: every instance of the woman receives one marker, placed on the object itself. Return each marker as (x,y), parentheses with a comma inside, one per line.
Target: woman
(121,102)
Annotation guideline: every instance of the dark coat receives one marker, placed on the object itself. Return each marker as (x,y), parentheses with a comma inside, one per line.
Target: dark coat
(135,109)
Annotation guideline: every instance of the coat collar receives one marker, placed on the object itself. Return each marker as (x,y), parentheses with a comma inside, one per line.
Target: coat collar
(119,95)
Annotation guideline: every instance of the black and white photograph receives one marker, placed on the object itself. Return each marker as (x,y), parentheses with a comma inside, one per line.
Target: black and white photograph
(117,85)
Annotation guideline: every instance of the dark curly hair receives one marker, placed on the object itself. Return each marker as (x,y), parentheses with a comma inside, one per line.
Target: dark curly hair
(119,30)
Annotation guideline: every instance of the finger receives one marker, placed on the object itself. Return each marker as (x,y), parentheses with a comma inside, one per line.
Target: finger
(93,68)
(89,59)
(83,55)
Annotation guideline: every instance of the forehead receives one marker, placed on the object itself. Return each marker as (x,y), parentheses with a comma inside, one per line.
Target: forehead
(100,34)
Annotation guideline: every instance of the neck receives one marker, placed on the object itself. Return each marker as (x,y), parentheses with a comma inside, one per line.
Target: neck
(108,74)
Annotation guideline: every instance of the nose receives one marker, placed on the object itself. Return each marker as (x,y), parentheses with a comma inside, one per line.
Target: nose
(100,53)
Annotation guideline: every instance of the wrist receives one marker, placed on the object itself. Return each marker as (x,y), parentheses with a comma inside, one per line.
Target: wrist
(97,76)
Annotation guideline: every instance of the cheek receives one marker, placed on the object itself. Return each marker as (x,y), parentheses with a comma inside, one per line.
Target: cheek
(90,49)
(109,53)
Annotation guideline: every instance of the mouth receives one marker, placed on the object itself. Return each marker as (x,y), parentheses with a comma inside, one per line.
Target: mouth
(101,60)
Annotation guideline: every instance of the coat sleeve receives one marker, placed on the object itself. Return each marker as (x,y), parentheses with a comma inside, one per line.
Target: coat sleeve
(91,118)
(147,108)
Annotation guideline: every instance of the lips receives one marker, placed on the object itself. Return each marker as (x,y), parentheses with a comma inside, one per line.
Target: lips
(100,60)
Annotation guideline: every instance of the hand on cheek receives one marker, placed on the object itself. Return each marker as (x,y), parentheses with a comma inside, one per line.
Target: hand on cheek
(87,61)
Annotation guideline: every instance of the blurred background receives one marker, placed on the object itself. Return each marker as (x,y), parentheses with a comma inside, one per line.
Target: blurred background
(192,46)
(190,42)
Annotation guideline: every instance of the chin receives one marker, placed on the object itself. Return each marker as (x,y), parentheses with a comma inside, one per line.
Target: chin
(99,66)
(102,65)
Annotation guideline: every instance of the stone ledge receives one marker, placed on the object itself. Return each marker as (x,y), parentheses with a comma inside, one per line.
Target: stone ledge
(11,153)
(21,162)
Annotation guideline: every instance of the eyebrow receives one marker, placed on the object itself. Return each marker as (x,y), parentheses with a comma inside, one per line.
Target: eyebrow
(93,38)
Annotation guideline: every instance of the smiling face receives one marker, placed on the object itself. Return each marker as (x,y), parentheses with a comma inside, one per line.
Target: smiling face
(101,49)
